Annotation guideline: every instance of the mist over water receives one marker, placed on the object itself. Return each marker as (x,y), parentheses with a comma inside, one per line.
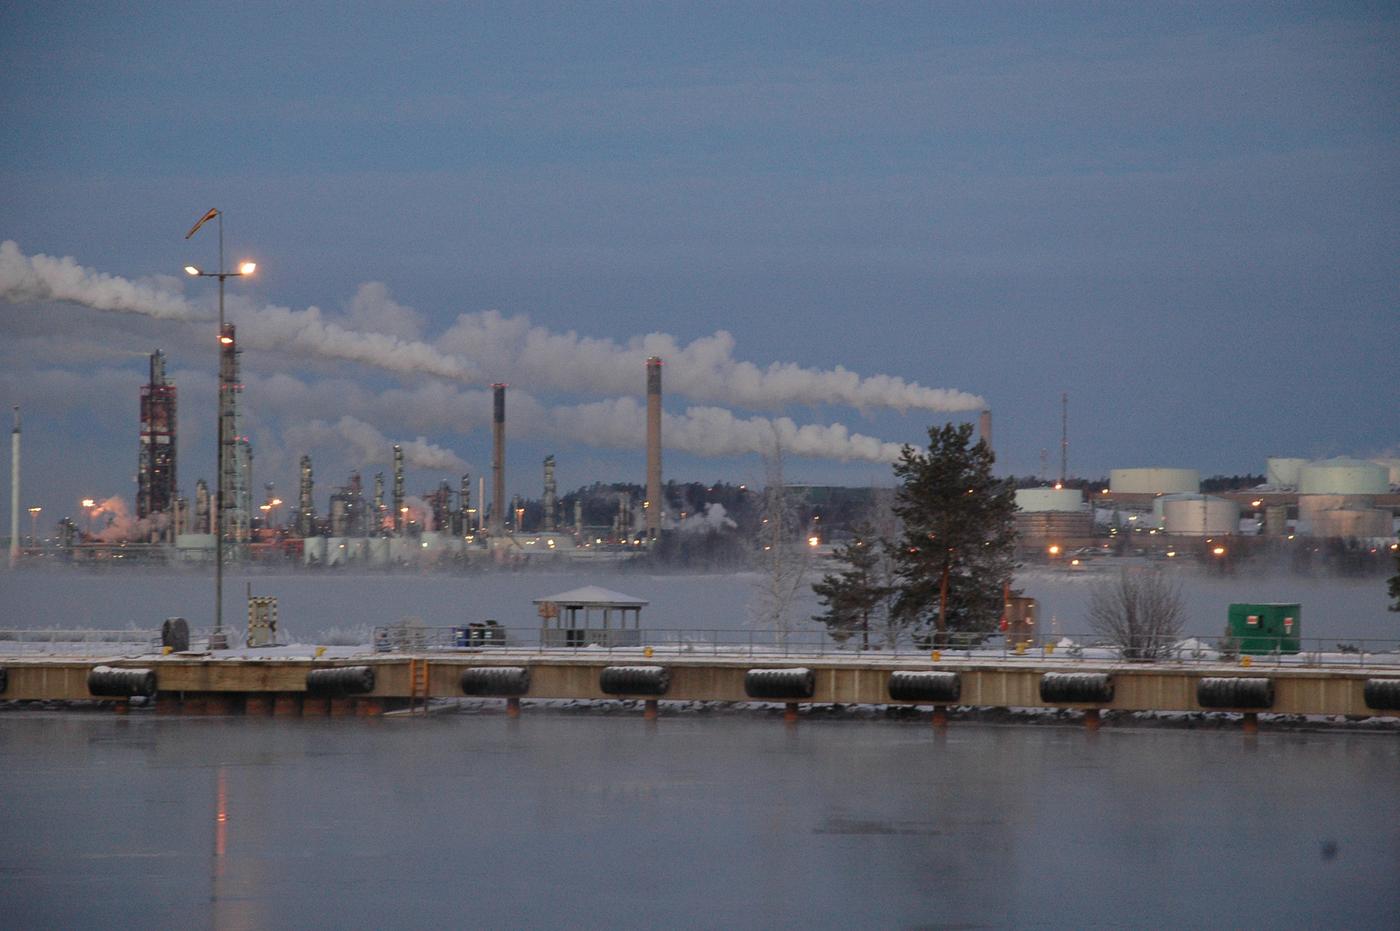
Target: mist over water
(313,605)
(584,820)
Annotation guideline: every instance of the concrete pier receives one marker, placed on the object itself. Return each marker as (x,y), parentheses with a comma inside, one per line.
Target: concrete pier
(278,685)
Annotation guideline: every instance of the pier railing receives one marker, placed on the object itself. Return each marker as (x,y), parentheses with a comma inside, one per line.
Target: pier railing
(1183,651)
(76,642)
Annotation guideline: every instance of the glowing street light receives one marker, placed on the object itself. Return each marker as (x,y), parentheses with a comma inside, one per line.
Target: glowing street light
(217,640)
(33,522)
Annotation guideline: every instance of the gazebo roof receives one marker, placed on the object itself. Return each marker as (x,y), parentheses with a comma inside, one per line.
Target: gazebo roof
(593,596)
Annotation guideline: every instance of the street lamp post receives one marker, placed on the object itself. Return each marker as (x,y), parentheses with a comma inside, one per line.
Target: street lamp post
(217,639)
(33,525)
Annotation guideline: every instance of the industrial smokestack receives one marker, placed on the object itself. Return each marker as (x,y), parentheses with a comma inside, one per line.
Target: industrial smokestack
(398,490)
(378,503)
(984,427)
(14,492)
(550,494)
(201,508)
(464,496)
(498,461)
(306,505)
(652,505)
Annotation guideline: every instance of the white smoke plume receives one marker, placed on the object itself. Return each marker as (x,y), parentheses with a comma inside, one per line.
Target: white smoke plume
(714,432)
(711,520)
(371,446)
(512,349)
(282,329)
(33,279)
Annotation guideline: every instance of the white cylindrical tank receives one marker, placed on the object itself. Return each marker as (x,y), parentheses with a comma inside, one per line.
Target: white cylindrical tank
(1049,499)
(1392,467)
(1200,515)
(1283,472)
(1351,522)
(1154,481)
(1343,477)
(378,551)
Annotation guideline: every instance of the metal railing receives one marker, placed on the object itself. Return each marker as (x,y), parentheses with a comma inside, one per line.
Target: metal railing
(70,642)
(756,642)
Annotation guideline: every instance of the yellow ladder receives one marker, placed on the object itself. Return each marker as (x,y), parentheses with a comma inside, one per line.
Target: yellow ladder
(418,684)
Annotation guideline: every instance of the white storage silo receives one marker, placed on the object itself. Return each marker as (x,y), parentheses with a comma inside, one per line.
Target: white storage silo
(1281,472)
(1200,515)
(1392,467)
(1343,476)
(313,551)
(1364,523)
(1154,481)
(1037,500)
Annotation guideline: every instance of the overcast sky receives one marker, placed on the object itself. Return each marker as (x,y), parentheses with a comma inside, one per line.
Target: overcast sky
(1185,216)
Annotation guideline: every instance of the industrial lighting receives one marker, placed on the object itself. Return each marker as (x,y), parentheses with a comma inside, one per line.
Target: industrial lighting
(812,541)
(88,502)
(1219,551)
(225,339)
(1054,549)
(192,271)
(247,268)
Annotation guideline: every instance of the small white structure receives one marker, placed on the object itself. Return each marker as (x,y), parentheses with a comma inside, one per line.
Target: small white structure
(1156,481)
(561,625)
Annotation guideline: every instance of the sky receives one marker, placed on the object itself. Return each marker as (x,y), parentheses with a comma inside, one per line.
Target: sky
(838,224)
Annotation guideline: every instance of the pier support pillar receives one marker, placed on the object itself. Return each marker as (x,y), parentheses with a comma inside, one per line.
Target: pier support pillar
(940,716)
(169,703)
(315,707)
(1250,722)
(790,712)
(194,703)
(122,706)
(340,707)
(369,707)
(220,703)
(287,704)
(258,703)
(1092,721)
(512,707)
(649,709)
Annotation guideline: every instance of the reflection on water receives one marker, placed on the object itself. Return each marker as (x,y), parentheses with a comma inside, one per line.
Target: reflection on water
(571,820)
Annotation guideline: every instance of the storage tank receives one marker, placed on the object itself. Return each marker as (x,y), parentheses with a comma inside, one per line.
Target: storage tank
(1283,472)
(1154,481)
(1392,468)
(1200,515)
(1343,476)
(1049,499)
(1364,523)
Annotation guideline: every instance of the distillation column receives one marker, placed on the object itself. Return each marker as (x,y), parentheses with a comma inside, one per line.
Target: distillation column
(653,506)
(498,461)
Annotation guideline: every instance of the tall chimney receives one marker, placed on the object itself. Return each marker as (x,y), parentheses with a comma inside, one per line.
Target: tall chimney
(398,490)
(984,427)
(652,505)
(14,492)
(550,494)
(498,461)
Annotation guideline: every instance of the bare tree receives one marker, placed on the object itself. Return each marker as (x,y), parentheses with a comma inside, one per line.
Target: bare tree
(783,555)
(1141,613)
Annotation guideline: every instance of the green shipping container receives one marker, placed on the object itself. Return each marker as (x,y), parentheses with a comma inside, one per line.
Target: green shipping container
(1264,628)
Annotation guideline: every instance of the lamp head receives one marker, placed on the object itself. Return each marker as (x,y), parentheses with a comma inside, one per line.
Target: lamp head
(247,268)
(192,271)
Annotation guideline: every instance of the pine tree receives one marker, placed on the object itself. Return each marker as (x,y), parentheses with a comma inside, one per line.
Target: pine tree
(958,548)
(855,596)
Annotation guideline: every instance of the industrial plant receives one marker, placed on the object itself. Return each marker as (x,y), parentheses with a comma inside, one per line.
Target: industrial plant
(1160,512)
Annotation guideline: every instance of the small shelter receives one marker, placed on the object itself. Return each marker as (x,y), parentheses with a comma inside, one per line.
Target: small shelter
(562,625)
